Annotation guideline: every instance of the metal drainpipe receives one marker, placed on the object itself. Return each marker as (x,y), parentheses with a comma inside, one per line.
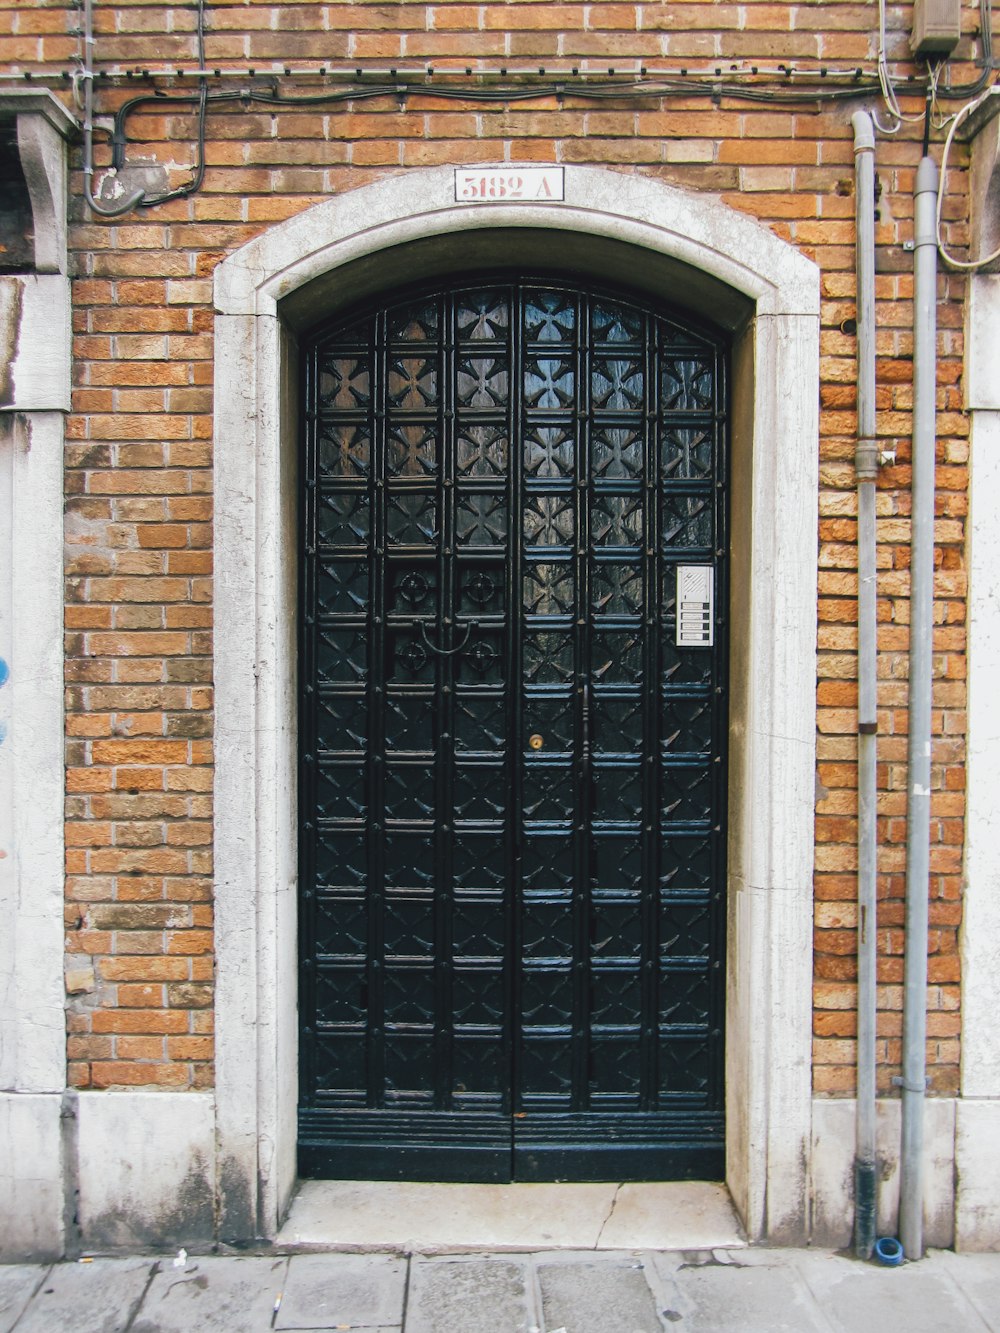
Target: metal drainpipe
(866,471)
(918,805)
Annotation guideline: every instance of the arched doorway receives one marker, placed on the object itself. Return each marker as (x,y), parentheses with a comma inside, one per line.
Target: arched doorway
(512,737)
(682,248)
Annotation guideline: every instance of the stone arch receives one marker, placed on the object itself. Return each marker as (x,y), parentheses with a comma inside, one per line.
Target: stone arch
(688,249)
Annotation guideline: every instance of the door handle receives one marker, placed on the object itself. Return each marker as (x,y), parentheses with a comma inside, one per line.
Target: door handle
(436,648)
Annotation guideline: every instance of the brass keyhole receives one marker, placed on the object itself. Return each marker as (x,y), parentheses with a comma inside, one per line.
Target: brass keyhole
(536,742)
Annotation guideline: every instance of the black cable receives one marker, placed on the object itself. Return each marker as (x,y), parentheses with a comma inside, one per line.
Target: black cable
(505,93)
(965,91)
(195,184)
(696,86)
(475,93)
(928,111)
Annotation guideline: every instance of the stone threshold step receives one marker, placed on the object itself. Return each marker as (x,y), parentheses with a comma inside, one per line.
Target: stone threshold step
(425,1218)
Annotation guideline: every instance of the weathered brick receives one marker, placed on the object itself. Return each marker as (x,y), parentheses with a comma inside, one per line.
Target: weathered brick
(139,454)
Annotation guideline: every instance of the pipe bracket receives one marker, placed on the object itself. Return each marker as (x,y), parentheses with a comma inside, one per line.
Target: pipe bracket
(866,458)
(899,1082)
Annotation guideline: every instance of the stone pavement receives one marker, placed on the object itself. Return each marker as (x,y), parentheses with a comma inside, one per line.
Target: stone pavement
(698,1291)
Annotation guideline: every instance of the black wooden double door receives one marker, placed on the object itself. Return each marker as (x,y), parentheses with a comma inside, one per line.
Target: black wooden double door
(512,778)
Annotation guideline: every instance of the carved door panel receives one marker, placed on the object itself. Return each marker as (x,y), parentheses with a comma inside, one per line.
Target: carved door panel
(512,779)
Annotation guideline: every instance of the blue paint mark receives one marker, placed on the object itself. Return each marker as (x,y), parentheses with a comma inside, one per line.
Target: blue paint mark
(3,733)
(4,672)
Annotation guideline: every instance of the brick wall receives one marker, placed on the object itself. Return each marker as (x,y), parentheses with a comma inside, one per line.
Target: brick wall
(139,479)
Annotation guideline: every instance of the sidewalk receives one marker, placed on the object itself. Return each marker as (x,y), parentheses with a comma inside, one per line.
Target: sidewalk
(702,1291)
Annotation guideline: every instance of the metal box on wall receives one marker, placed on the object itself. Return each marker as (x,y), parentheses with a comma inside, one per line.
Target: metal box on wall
(937,27)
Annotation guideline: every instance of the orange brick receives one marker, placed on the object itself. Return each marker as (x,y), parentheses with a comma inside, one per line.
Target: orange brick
(139,444)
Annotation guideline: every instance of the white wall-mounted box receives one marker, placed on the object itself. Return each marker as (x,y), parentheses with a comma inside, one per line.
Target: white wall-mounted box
(937,27)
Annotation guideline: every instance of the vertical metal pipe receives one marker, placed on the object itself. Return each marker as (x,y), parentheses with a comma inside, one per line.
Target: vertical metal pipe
(866,470)
(129,200)
(918,803)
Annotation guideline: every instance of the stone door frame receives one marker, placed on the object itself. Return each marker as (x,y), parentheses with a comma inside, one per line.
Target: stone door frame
(683,248)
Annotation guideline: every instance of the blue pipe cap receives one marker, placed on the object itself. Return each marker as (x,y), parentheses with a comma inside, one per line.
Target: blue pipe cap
(888,1251)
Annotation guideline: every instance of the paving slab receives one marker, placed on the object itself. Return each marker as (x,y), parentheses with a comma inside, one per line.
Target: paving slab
(914,1298)
(426,1218)
(674,1215)
(718,1293)
(597,1295)
(471,1295)
(17,1282)
(978,1275)
(213,1295)
(99,1296)
(331,1291)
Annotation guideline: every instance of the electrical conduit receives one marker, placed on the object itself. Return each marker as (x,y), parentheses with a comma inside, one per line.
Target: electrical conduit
(133,197)
(918,802)
(866,471)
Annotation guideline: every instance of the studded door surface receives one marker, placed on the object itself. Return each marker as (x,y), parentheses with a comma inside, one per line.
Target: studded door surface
(512,779)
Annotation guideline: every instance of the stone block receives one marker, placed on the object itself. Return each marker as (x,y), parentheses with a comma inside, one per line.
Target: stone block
(474,1295)
(327,1291)
(213,1295)
(146,1169)
(31,1187)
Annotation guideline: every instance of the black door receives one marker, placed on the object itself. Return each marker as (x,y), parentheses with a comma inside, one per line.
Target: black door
(512,778)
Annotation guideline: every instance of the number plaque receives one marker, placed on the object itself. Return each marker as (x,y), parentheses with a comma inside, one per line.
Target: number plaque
(500,185)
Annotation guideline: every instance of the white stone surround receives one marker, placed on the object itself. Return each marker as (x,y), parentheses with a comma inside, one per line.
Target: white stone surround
(678,246)
(34,395)
(106,1170)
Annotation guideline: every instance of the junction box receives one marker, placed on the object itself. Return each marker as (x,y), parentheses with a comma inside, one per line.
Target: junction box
(937,27)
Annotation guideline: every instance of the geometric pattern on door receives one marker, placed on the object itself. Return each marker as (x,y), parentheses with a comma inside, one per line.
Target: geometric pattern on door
(512,780)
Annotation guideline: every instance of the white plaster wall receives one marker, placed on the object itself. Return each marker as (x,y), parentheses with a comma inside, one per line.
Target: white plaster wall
(145,1166)
(831,1183)
(977,1163)
(982,337)
(981,911)
(768,1024)
(977,1158)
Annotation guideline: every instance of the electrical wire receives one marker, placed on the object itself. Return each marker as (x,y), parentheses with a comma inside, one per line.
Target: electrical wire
(498,95)
(772,87)
(985,58)
(964,265)
(899,118)
(126,200)
(889,86)
(938,119)
(195,184)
